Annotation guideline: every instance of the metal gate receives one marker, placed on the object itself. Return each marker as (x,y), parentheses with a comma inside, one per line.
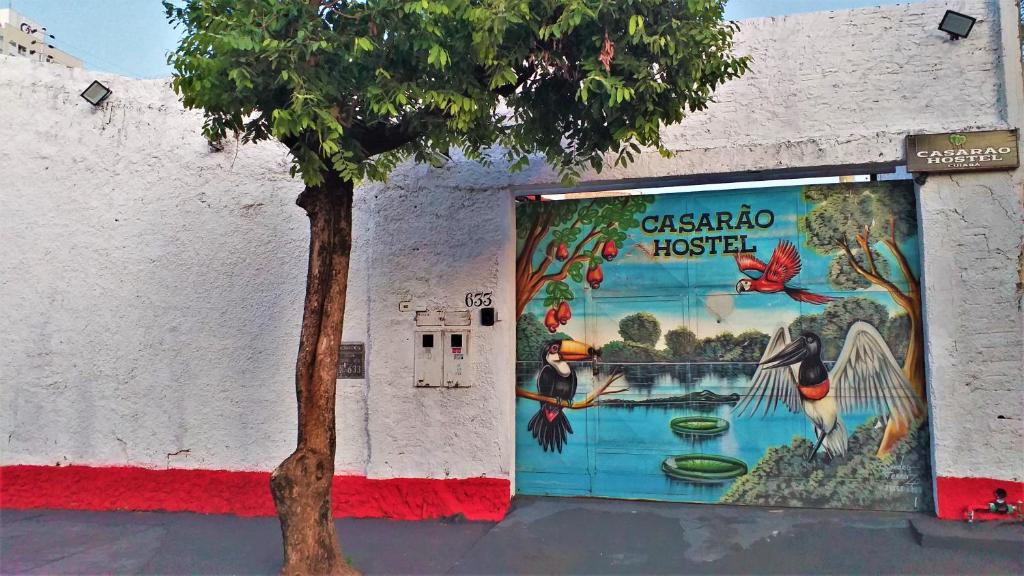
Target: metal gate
(749,346)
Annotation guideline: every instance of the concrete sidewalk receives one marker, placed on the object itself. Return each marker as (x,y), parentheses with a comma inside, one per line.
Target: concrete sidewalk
(540,536)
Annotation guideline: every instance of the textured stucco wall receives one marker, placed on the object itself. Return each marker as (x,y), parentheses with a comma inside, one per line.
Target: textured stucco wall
(152,293)
(152,288)
(836,88)
(971,233)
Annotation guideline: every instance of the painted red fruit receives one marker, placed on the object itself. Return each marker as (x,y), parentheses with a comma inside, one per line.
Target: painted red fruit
(610,251)
(563,252)
(594,277)
(564,313)
(551,321)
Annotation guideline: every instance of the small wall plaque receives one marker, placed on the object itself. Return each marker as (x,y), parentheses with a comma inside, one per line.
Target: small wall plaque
(352,361)
(962,151)
(457,318)
(429,318)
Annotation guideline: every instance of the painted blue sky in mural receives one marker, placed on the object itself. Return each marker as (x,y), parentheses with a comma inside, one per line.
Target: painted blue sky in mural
(691,291)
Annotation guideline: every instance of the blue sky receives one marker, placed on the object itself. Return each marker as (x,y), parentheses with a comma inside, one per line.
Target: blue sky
(132,37)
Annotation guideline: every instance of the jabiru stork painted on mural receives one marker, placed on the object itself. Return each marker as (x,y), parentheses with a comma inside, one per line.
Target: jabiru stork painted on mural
(866,376)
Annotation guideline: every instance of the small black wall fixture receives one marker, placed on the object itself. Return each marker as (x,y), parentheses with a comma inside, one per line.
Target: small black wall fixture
(957,25)
(96,93)
(487,316)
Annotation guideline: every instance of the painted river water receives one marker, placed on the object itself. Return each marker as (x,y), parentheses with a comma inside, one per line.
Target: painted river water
(617,450)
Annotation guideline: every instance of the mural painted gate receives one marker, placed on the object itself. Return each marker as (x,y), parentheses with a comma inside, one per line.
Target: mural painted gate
(751,347)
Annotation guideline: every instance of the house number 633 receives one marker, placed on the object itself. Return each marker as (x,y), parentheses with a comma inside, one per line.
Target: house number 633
(478,299)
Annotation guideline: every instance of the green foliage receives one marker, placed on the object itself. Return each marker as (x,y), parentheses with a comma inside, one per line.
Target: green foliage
(682,343)
(611,217)
(837,317)
(531,336)
(784,477)
(619,351)
(581,227)
(806,323)
(842,275)
(641,328)
(897,335)
(750,344)
(839,213)
(727,347)
(557,292)
(353,88)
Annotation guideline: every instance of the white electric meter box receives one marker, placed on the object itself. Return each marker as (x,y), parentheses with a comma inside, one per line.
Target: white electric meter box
(428,361)
(456,359)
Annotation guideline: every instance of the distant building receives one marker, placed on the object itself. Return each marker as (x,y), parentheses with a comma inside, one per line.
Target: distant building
(20,36)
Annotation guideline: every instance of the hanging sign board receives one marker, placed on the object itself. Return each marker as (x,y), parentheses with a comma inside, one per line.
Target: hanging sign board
(962,151)
(351,361)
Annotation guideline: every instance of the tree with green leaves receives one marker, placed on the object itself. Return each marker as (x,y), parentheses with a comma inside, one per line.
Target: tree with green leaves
(580,237)
(642,328)
(839,315)
(832,326)
(747,346)
(354,88)
(683,343)
(858,211)
(531,337)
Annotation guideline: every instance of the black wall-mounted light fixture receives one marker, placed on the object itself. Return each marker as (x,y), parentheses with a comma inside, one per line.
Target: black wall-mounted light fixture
(96,93)
(957,25)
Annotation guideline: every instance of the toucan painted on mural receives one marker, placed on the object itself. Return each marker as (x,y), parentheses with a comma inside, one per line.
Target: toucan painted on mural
(557,379)
(772,278)
(866,376)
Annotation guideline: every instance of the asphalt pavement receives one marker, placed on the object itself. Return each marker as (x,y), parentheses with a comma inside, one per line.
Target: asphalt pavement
(539,536)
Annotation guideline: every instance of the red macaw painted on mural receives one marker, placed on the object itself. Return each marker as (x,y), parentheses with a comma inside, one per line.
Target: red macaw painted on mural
(772,278)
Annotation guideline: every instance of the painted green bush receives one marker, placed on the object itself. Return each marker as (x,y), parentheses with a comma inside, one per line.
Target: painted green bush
(784,477)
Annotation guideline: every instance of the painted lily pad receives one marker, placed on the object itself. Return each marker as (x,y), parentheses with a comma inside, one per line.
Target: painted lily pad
(703,468)
(699,425)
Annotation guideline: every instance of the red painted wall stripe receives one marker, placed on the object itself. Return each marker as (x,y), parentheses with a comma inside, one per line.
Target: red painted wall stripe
(956,495)
(243,493)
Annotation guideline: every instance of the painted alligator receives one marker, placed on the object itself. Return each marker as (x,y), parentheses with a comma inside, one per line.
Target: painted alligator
(703,397)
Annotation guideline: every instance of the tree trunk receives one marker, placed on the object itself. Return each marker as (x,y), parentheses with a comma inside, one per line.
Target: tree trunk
(913,369)
(301,485)
(913,364)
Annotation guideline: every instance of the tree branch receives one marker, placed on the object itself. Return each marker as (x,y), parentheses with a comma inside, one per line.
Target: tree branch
(524,264)
(876,279)
(575,256)
(862,240)
(522,76)
(587,402)
(893,247)
(549,256)
(380,137)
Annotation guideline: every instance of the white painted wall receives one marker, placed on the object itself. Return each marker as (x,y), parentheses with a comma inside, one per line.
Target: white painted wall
(152,293)
(971,229)
(835,88)
(151,288)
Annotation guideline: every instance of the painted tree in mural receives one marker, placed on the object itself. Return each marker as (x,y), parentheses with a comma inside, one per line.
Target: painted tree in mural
(855,223)
(581,237)
(354,88)
(682,343)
